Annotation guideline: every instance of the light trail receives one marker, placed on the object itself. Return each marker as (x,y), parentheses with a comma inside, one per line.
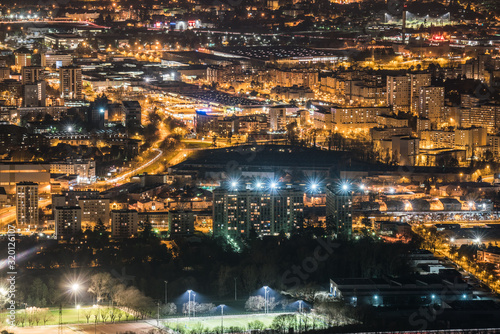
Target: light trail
(136,170)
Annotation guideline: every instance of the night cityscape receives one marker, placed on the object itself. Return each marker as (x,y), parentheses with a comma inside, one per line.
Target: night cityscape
(249,166)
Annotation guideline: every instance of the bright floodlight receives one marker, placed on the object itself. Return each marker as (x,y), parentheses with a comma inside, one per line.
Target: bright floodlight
(189,291)
(75,287)
(101,111)
(259,185)
(266,287)
(345,187)
(314,186)
(234,184)
(273,185)
(70,128)
(478,240)
(362,186)
(433,296)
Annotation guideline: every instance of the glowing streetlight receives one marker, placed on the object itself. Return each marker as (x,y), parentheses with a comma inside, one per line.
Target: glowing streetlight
(194,305)
(222,317)
(189,302)
(234,184)
(75,287)
(266,289)
(273,185)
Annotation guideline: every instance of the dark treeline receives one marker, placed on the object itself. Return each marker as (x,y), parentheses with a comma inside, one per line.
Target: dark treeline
(207,265)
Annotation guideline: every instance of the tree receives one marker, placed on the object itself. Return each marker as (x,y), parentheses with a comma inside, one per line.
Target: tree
(46,316)
(104,314)
(283,322)
(100,285)
(258,303)
(119,314)
(256,325)
(87,313)
(169,309)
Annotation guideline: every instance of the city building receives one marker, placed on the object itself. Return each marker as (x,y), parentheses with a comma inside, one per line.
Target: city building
(27,204)
(267,209)
(471,139)
(63,41)
(71,84)
(405,150)
(181,222)
(339,209)
(68,221)
(132,113)
(399,92)
(95,210)
(124,223)
(34,94)
(278,116)
(431,103)
(32,74)
(22,57)
(489,256)
(83,168)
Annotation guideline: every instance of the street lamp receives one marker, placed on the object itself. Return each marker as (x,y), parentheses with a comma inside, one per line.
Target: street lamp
(266,288)
(300,314)
(194,305)
(75,287)
(222,317)
(189,303)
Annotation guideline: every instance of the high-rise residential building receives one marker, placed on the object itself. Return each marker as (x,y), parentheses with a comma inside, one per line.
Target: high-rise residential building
(403,91)
(484,116)
(71,84)
(34,94)
(405,150)
(417,81)
(471,139)
(95,209)
(431,103)
(277,117)
(32,74)
(266,208)
(124,223)
(132,113)
(68,221)
(399,92)
(339,209)
(181,222)
(27,204)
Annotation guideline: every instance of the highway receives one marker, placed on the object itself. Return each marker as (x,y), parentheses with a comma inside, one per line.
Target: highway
(136,170)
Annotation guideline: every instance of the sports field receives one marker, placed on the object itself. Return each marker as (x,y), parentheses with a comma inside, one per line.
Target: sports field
(213,322)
